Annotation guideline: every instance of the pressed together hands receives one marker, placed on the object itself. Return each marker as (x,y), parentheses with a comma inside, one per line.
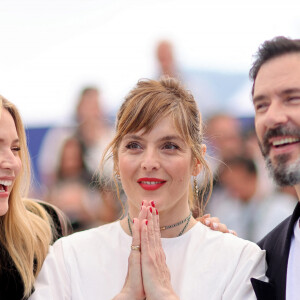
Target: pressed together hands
(148,275)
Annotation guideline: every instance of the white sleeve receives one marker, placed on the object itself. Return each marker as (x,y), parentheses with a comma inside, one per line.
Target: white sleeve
(252,264)
(53,281)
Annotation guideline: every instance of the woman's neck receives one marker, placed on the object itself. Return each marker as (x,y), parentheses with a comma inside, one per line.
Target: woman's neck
(169,219)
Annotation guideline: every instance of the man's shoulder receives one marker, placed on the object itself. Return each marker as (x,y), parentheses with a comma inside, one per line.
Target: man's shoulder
(277,235)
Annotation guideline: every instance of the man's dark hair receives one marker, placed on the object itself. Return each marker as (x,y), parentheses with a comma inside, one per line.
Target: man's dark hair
(270,49)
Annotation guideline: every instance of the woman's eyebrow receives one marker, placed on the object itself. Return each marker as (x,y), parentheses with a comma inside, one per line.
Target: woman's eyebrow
(171,137)
(133,137)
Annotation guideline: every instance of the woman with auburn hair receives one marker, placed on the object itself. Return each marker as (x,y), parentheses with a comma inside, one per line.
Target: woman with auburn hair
(26,227)
(158,250)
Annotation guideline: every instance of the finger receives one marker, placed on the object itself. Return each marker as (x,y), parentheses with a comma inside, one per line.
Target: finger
(144,239)
(134,260)
(206,216)
(136,238)
(160,254)
(150,226)
(219,227)
(143,212)
(209,221)
(202,219)
(233,232)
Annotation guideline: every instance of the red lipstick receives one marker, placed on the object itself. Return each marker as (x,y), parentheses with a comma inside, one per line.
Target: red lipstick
(151,184)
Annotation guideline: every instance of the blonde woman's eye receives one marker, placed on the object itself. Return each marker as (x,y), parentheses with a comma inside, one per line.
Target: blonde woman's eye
(16,149)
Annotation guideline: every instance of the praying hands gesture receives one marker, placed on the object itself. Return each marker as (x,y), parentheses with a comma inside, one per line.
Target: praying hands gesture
(148,274)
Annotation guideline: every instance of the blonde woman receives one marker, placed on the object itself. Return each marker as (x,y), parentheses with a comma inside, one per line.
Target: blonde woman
(26,228)
(158,250)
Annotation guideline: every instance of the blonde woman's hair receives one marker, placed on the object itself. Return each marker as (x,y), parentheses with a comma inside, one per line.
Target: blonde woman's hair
(26,229)
(147,103)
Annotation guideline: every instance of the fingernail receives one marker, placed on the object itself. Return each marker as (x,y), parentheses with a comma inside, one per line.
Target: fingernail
(152,204)
(150,209)
(156,211)
(142,203)
(215,225)
(132,220)
(207,222)
(146,222)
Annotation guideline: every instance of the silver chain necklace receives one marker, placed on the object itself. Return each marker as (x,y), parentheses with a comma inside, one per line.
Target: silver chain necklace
(187,220)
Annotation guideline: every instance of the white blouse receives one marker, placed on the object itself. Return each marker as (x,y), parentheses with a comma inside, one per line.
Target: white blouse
(204,264)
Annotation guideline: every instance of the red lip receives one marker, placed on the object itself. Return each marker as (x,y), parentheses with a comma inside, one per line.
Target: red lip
(151,184)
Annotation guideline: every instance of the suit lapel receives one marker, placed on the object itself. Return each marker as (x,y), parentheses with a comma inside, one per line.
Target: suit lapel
(277,244)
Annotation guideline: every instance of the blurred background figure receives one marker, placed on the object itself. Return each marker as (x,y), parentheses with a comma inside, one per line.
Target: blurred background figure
(90,125)
(240,203)
(166,60)
(201,88)
(69,165)
(224,140)
(72,190)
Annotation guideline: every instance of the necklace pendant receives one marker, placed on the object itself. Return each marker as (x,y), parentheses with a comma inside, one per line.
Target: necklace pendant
(163,228)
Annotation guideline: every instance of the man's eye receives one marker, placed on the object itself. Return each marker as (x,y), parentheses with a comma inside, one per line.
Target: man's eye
(260,107)
(133,145)
(295,99)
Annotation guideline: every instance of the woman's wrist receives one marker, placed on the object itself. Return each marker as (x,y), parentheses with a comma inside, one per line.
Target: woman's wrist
(126,295)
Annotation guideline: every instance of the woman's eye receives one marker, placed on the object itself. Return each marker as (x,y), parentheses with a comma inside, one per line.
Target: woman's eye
(170,146)
(16,149)
(133,146)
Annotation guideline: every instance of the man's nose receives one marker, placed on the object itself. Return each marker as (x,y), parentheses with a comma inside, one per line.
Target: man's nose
(276,115)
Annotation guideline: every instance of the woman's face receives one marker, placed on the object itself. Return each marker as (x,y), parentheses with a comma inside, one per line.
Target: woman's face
(156,166)
(10,162)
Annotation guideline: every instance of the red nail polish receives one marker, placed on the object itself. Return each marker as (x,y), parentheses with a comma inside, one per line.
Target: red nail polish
(156,211)
(142,203)
(146,222)
(132,220)
(150,209)
(152,204)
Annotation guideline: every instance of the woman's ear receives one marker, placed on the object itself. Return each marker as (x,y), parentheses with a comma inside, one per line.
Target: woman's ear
(198,166)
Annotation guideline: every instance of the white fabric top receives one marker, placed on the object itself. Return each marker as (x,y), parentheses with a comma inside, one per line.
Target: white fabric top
(203,263)
(293,271)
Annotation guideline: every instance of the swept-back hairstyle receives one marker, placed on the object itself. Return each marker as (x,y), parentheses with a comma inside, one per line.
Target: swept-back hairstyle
(270,49)
(26,229)
(150,101)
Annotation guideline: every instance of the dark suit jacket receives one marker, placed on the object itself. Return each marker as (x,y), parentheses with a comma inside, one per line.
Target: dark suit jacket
(277,244)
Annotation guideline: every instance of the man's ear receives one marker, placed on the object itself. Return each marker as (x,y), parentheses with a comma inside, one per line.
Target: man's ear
(198,165)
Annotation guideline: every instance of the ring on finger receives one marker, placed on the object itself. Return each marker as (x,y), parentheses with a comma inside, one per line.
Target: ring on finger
(136,248)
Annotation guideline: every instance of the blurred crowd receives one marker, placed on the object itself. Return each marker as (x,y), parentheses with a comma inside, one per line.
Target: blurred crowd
(244,197)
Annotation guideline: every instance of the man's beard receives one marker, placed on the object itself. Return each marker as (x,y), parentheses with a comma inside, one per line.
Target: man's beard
(283,173)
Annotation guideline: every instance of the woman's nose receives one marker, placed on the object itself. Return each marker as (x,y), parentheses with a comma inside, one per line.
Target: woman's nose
(150,160)
(8,160)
